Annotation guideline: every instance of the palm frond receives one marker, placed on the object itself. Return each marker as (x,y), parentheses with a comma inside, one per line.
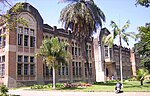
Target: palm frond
(124,28)
(82,17)
(113,24)
(108,40)
(131,34)
(125,38)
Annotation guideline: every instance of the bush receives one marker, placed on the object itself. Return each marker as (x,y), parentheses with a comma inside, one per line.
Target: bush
(38,87)
(59,85)
(3,90)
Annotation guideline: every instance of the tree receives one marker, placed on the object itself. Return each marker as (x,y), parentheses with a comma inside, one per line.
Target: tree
(143,46)
(83,17)
(141,74)
(145,3)
(122,34)
(53,53)
(10,17)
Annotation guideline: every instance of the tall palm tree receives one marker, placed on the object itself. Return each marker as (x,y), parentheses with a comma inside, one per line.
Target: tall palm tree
(53,53)
(83,17)
(122,34)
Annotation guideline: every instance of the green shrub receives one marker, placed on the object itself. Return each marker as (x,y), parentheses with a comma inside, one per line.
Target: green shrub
(59,85)
(49,85)
(37,87)
(3,90)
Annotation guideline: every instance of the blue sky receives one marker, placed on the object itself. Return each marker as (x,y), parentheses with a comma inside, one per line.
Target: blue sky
(117,10)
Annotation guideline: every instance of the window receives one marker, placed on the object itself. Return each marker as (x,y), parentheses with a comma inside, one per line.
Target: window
(106,51)
(47,71)
(19,58)
(26,31)
(72,50)
(75,50)
(25,69)
(19,69)
(20,37)
(63,70)
(80,68)
(3,58)
(90,55)
(73,68)
(26,40)
(20,30)
(59,70)
(90,69)
(51,71)
(67,70)
(76,68)
(32,69)
(79,51)
(25,58)
(32,59)
(46,36)
(2,70)
(32,32)
(32,41)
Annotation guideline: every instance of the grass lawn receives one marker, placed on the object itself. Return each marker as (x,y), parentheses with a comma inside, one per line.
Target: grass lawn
(128,86)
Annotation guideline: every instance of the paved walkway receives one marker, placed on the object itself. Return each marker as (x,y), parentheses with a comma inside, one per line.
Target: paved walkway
(59,93)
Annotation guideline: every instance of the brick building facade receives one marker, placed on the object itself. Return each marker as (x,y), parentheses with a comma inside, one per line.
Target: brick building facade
(107,60)
(18,64)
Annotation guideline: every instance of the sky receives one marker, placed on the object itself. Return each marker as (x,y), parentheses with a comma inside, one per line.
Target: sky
(119,11)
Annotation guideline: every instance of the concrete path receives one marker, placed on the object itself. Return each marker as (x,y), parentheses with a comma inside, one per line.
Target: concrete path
(59,93)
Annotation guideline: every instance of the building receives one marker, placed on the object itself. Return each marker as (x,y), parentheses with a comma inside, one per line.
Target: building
(107,60)
(18,65)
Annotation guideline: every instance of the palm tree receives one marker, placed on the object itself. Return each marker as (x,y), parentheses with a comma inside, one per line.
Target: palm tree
(145,3)
(53,53)
(141,74)
(122,34)
(83,17)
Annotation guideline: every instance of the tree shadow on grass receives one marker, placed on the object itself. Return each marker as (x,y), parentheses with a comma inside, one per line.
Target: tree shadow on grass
(137,86)
(74,88)
(105,83)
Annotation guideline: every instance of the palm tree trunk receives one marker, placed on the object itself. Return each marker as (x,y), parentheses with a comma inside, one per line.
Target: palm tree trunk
(120,60)
(54,79)
(141,82)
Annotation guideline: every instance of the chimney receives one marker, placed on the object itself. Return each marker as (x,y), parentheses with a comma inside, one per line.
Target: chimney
(54,28)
